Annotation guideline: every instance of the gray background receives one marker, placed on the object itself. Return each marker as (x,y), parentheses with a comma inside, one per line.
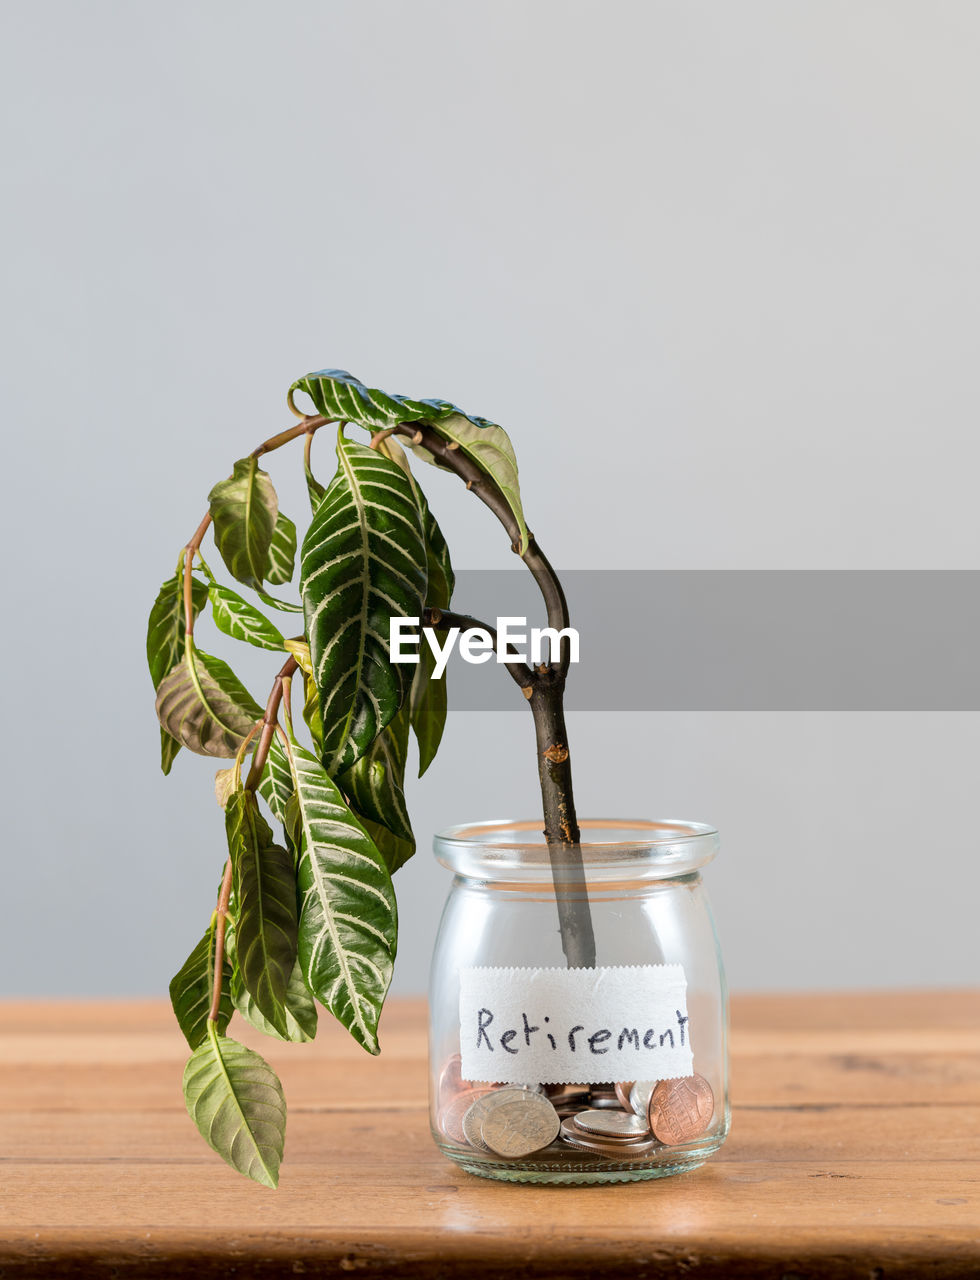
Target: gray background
(713,265)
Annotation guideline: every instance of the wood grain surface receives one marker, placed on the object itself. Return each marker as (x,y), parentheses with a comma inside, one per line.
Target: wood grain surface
(855,1151)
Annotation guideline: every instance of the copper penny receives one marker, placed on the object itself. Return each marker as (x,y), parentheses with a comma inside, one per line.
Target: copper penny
(612,1124)
(450,1080)
(681,1110)
(520,1125)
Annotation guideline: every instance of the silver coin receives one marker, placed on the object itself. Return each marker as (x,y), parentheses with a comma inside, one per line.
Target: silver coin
(612,1124)
(640,1096)
(473,1118)
(520,1125)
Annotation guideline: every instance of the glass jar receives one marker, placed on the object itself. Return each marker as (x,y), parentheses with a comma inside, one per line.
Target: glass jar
(556,1061)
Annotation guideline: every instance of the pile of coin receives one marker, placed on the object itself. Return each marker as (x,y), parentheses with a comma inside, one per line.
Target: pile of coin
(624,1121)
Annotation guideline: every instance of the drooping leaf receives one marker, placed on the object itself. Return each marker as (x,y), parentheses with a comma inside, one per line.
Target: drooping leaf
(374,784)
(168,750)
(339,395)
(235,1099)
(203,705)
(276,785)
(311,698)
(265,891)
(165,643)
(363,562)
(394,851)
(282,551)
(165,630)
(428,703)
(301,1016)
(314,488)
(348,925)
(244,509)
(192,988)
(242,621)
(284,606)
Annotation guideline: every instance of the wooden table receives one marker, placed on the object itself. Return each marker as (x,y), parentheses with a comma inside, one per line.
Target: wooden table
(854,1152)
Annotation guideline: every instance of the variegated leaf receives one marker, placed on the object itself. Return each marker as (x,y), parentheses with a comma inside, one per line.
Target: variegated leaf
(276,786)
(203,705)
(282,551)
(235,1099)
(244,509)
(242,621)
(363,562)
(191,990)
(394,851)
(265,891)
(428,703)
(339,395)
(301,1016)
(348,920)
(374,784)
(165,643)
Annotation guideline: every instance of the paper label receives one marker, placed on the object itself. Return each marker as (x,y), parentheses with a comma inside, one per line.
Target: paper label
(574,1026)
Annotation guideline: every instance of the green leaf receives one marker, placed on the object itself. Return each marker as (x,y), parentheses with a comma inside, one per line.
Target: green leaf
(244,509)
(301,1016)
(168,751)
(428,703)
(363,562)
(276,785)
(284,606)
(202,704)
(165,630)
(235,1099)
(165,643)
(265,890)
(314,488)
(348,924)
(282,551)
(374,784)
(191,990)
(237,618)
(394,851)
(339,395)
(311,704)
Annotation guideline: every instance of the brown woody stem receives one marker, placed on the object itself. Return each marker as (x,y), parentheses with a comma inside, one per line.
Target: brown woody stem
(442,620)
(269,722)
(547,689)
(224,897)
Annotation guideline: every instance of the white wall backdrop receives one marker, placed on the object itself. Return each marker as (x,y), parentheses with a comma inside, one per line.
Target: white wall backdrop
(715,268)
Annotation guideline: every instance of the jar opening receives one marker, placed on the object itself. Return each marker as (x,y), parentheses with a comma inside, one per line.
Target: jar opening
(610,847)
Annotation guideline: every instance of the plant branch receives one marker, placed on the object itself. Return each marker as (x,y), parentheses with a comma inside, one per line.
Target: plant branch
(269,722)
(547,689)
(224,898)
(442,620)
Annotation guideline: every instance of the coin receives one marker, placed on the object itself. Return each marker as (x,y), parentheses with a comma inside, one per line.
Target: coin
(640,1096)
(681,1110)
(623,1151)
(450,1080)
(479,1108)
(451,1114)
(623,1094)
(520,1125)
(612,1124)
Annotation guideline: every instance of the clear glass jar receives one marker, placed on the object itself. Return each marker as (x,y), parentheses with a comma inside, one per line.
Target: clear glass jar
(522,1044)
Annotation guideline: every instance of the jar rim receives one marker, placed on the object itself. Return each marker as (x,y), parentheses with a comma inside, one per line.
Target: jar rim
(651,849)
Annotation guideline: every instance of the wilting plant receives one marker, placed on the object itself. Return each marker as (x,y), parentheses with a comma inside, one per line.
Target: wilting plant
(310,917)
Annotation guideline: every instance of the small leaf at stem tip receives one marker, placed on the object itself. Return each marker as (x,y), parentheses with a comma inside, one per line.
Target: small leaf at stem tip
(202,704)
(191,990)
(265,891)
(244,509)
(363,561)
(235,1099)
(242,621)
(225,782)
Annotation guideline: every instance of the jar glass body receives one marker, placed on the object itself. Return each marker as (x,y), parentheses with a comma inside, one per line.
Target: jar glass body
(505,930)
